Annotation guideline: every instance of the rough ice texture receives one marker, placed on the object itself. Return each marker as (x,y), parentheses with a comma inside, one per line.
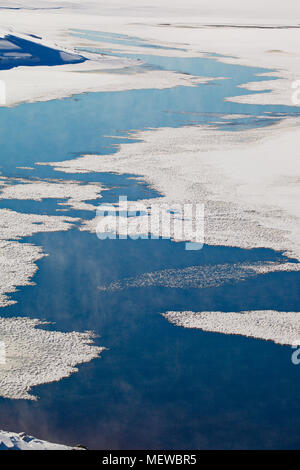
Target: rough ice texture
(279,327)
(17,260)
(21,441)
(244,207)
(136,219)
(200,277)
(75,193)
(35,356)
(248,181)
(15,225)
(17,267)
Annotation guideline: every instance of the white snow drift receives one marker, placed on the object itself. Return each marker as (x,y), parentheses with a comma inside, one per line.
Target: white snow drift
(76,193)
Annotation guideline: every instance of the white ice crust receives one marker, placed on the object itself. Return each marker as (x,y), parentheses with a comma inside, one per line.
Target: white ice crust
(22,441)
(279,327)
(35,356)
(17,260)
(200,277)
(248,181)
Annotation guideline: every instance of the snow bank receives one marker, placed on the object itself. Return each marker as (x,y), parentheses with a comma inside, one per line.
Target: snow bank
(253,33)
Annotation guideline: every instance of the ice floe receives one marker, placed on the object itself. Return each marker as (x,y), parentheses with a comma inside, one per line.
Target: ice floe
(75,193)
(21,441)
(248,181)
(279,327)
(17,260)
(17,267)
(35,356)
(200,277)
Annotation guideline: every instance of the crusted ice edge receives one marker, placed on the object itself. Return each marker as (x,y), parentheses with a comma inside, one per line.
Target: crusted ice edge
(200,277)
(270,325)
(18,259)
(21,441)
(35,356)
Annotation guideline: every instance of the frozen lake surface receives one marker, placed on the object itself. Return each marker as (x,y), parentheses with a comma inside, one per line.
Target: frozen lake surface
(156,385)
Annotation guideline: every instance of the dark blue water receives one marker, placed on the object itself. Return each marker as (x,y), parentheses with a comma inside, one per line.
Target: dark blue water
(157,385)
(34,54)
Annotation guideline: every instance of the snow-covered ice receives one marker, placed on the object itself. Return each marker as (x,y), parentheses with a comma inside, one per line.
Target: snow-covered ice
(21,441)
(200,277)
(36,356)
(279,327)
